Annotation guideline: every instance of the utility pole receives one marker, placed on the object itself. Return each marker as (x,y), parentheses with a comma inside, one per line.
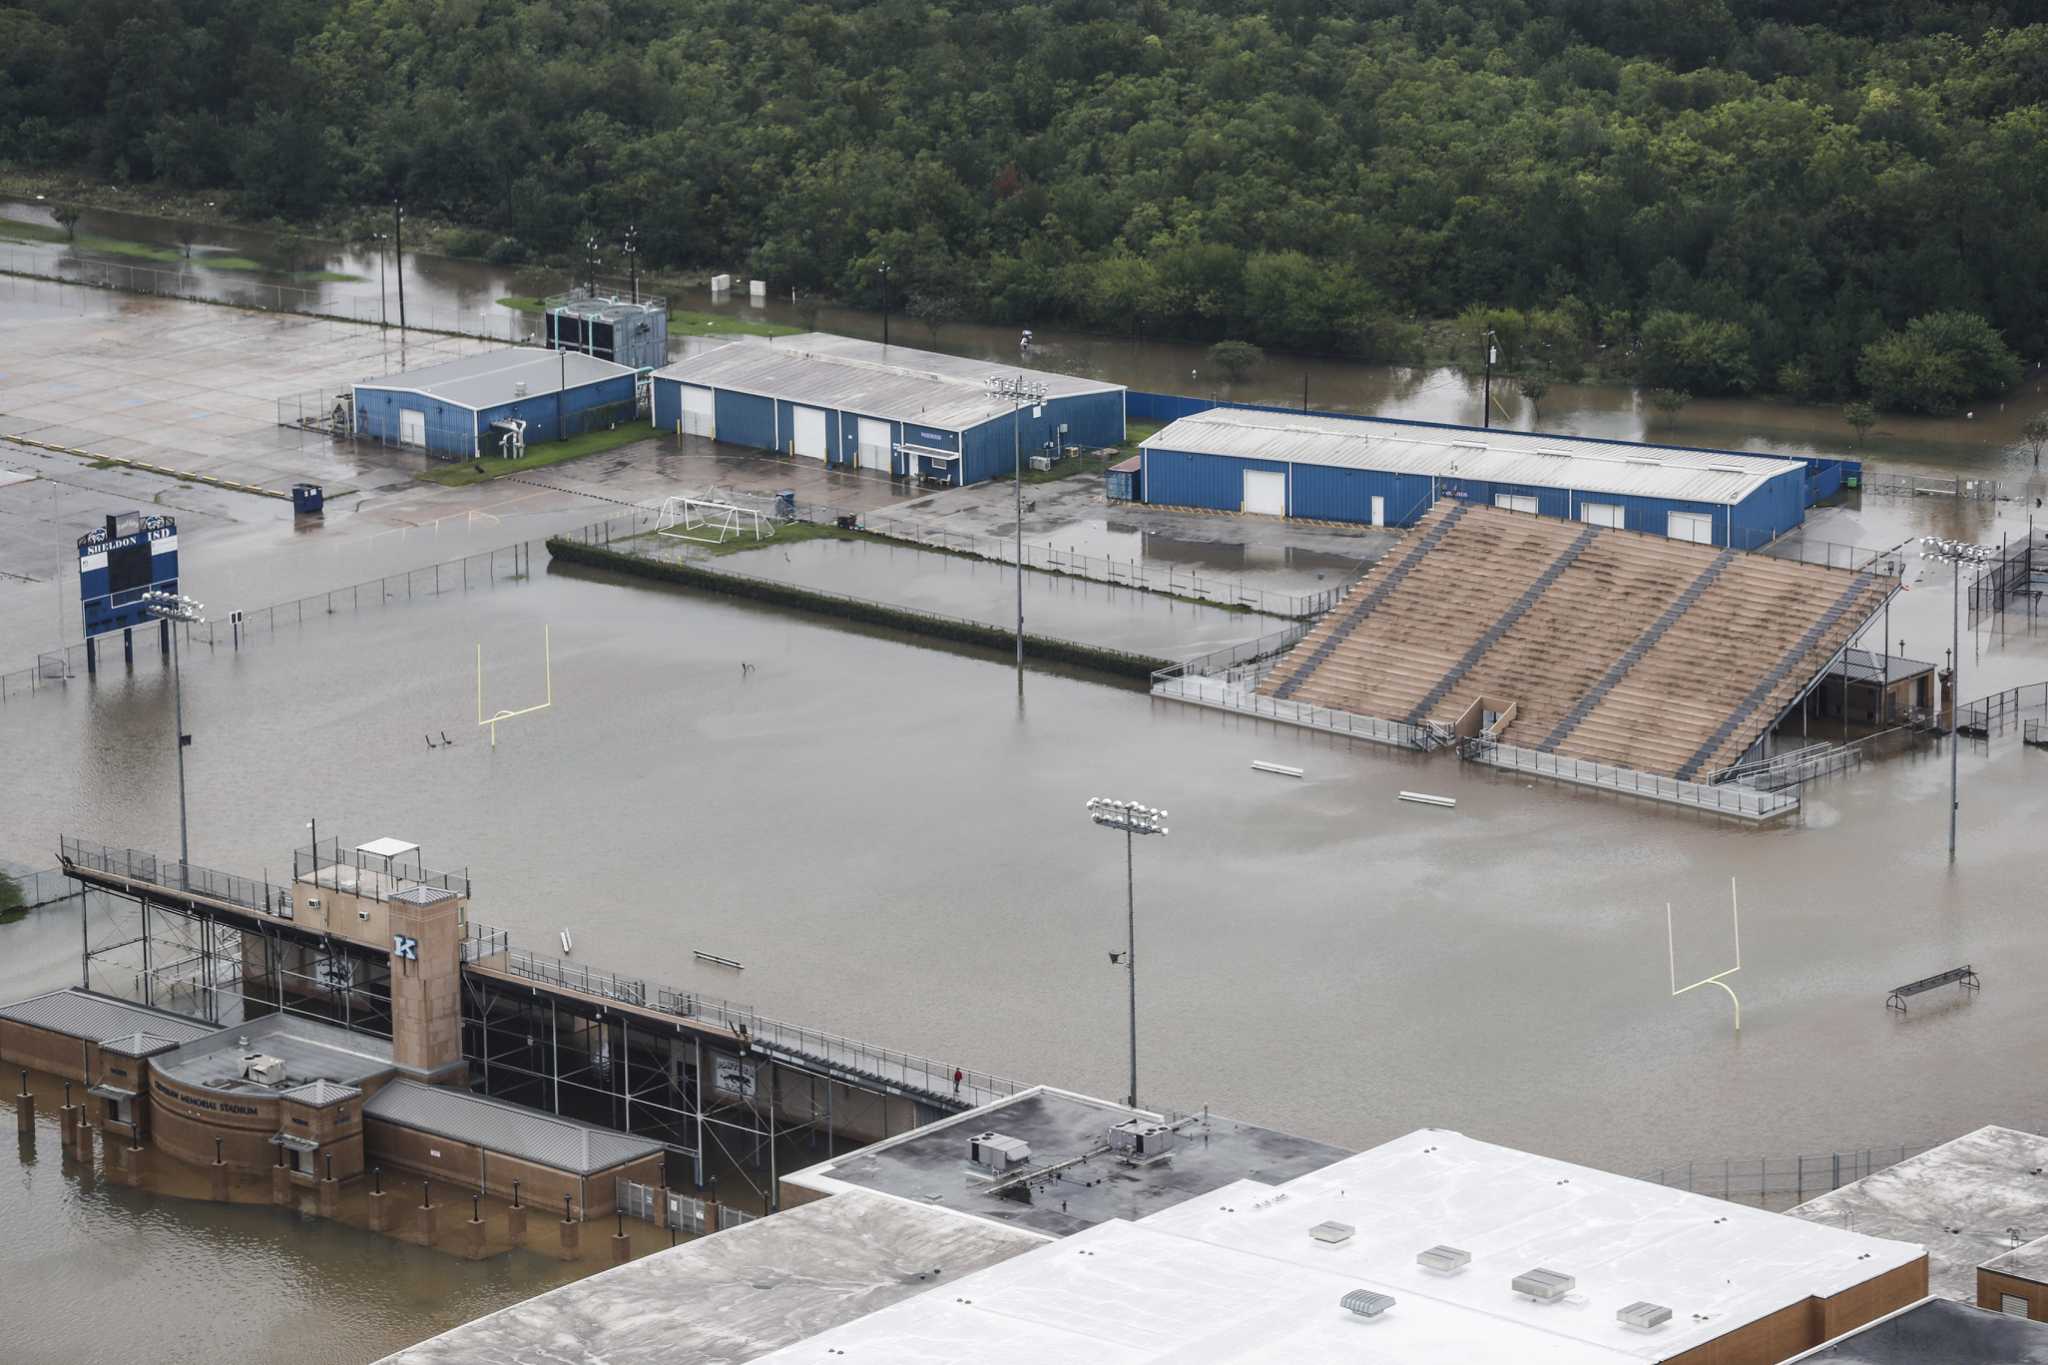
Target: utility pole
(1486,405)
(1019,391)
(1956,554)
(398,256)
(383,303)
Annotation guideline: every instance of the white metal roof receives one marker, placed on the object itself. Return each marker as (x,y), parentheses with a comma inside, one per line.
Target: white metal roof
(946,393)
(387,847)
(1518,457)
(82,1014)
(506,1129)
(491,379)
(1234,1275)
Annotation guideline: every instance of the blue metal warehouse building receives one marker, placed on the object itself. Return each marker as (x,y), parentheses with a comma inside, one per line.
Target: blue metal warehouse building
(471,406)
(853,403)
(1390,473)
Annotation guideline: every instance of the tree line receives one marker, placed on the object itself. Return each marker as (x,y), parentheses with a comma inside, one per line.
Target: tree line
(1834,199)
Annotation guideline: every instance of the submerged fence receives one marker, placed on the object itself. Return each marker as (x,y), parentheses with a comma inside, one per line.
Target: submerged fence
(1718,798)
(2001,711)
(1228,680)
(223,630)
(1923,486)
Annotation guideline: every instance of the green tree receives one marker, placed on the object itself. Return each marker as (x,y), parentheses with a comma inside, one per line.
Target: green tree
(187,234)
(934,310)
(1669,402)
(1533,387)
(67,216)
(1938,363)
(288,249)
(2034,431)
(1235,359)
(808,305)
(1861,416)
(1694,354)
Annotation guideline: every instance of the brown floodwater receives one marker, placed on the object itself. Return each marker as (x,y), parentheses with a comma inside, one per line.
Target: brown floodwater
(443,292)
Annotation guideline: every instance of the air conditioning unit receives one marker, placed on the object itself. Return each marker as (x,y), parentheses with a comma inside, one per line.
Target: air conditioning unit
(263,1069)
(1041,463)
(1142,1140)
(996,1153)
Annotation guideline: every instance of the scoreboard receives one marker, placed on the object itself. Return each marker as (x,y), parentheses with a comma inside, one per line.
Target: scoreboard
(132,554)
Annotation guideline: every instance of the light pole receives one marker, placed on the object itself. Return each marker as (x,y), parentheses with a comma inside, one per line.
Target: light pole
(398,258)
(883,271)
(590,263)
(177,609)
(1019,391)
(1132,819)
(631,246)
(1955,553)
(383,305)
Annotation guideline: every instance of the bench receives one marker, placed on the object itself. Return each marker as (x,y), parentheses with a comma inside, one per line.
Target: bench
(1964,976)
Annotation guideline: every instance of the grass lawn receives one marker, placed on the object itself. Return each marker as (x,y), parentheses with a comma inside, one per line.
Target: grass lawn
(538,456)
(681,322)
(788,533)
(12,902)
(1086,466)
(150,251)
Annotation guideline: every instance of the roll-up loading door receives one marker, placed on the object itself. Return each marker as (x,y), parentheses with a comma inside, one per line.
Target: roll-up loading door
(874,444)
(700,411)
(810,432)
(1265,492)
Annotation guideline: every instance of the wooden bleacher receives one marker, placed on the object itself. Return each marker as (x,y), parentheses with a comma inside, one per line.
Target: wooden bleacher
(1617,646)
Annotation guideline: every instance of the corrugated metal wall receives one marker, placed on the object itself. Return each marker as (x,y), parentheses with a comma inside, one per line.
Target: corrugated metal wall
(581,408)
(1174,478)
(451,430)
(1330,494)
(1777,507)
(668,404)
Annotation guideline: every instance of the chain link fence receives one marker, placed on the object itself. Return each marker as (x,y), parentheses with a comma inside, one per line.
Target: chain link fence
(1781,1182)
(57,668)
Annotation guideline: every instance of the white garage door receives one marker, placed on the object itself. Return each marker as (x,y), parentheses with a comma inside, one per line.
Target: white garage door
(1516,502)
(874,444)
(412,427)
(1601,514)
(700,411)
(1697,527)
(1264,492)
(810,433)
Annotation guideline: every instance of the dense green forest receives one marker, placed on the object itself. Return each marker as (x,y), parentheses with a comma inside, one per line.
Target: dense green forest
(1828,198)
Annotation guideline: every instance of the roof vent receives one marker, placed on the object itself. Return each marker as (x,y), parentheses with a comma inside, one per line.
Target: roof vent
(1444,1260)
(1643,1315)
(519,388)
(1727,469)
(1544,1286)
(1365,1303)
(1634,460)
(1554,454)
(1468,445)
(1332,1233)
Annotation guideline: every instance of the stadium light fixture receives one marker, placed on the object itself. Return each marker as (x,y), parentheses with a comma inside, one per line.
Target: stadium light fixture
(175,609)
(1131,819)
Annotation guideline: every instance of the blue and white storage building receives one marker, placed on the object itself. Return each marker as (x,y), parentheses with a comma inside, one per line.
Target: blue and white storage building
(484,404)
(856,404)
(1387,473)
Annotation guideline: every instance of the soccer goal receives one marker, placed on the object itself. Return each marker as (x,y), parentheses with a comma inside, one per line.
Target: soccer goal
(711,523)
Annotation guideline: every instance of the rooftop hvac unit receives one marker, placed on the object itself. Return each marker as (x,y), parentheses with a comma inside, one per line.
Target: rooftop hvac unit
(1444,1260)
(1332,1233)
(1365,1303)
(1544,1286)
(1141,1140)
(994,1152)
(263,1069)
(1643,1315)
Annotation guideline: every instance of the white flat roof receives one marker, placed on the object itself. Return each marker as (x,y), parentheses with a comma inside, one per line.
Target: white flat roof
(491,379)
(1233,1275)
(921,388)
(1495,456)
(387,847)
